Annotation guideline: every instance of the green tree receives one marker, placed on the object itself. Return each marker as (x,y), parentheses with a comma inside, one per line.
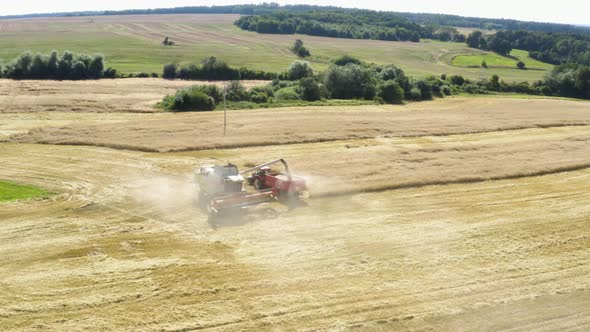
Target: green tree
(298,70)
(582,81)
(474,39)
(64,66)
(38,67)
(499,45)
(96,67)
(391,73)
(299,49)
(170,71)
(351,82)
(235,91)
(520,65)
(391,92)
(494,84)
(53,64)
(79,71)
(310,89)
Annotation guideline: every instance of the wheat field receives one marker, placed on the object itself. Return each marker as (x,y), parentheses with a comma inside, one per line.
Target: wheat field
(455,214)
(194,131)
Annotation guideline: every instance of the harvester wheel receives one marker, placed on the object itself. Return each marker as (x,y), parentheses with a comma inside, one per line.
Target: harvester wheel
(258,184)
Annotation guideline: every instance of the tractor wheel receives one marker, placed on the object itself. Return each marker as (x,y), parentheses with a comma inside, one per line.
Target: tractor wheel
(258,184)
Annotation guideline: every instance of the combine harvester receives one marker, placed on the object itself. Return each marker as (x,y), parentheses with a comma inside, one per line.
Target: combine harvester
(221,188)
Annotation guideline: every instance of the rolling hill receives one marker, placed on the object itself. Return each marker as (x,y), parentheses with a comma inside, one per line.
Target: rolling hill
(132,44)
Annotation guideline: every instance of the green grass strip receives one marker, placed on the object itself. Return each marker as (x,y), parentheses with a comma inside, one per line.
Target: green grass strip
(12,192)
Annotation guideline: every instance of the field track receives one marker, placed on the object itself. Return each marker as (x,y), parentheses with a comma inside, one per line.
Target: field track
(456,214)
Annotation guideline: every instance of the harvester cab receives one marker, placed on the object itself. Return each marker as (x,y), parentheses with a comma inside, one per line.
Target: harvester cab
(218,180)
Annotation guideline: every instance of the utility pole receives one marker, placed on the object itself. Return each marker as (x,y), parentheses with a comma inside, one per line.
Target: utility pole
(224,108)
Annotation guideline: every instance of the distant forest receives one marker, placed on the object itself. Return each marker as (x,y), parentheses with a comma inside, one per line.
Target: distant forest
(269,8)
(336,23)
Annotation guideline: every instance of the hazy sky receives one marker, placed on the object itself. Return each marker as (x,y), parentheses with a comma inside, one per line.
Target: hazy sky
(562,11)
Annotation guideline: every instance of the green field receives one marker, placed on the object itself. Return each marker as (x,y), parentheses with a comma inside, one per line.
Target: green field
(494,60)
(11,192)
(132,44)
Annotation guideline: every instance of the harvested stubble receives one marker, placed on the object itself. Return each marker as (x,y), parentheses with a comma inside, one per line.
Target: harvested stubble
(106,252)
(199,131)
(392,163)
(138,95)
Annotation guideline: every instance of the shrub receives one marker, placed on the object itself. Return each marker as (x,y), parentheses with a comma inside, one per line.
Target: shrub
(545,90)
(259,97)
(425,89)
(391,73)
(110,73)
(350,82)
(213,69)
(522,87)
(391,92)
(143,75)
(474,89)
(278,84)
(189,100)
(300,50)
(155,75)
(288,93)
(520,65)
(310,89)
(235,91)
(457,80)
(170,71)
(346,59)
(210,90)
(445,90)
(268,89)
(415,94)
(249,74)
(298,70)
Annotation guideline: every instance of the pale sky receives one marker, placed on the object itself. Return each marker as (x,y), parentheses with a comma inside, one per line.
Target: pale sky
(561,11)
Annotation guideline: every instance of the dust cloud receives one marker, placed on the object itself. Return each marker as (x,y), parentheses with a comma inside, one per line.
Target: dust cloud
(170,196)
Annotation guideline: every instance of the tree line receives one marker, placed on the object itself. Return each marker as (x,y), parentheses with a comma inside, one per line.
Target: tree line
(554,48)
(491,23)
(212,69)
(363,24)
(269,8)
(68,66)
(349,78)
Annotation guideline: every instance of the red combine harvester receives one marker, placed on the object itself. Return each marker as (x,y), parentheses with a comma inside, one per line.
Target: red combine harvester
(220,188)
